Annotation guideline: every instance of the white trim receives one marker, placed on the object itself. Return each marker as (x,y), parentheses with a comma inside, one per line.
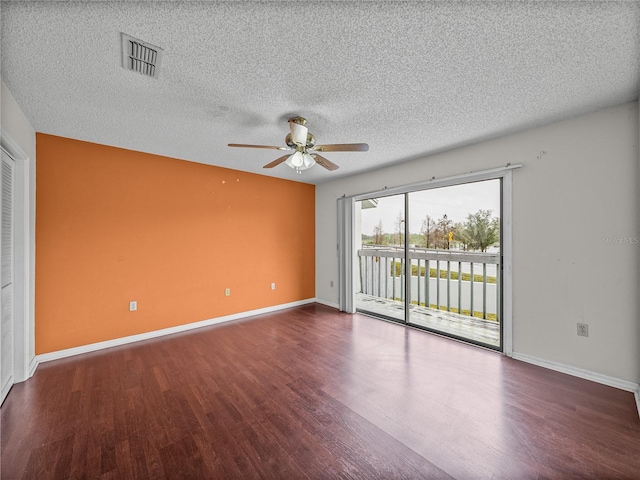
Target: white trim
(585,374)
(5,388)
(33,365)
(24,280)
(507,263)
(327,303)
(480,175)
(11,146)
(69,352)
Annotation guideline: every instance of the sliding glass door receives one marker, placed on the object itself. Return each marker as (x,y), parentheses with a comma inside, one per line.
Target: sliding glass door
(380,249)
(432,258)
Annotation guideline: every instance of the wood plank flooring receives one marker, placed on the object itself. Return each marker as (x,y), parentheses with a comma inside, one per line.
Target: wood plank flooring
(312,393)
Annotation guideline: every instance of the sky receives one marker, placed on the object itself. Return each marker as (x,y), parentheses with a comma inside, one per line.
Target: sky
(456,201)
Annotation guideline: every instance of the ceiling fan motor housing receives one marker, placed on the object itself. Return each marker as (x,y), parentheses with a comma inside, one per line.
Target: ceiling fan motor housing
(298,120)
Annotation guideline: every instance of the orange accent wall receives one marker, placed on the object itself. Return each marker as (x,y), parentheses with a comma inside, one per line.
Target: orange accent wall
(114,225)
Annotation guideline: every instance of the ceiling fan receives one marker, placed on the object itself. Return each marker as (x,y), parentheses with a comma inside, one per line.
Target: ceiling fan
(305,147)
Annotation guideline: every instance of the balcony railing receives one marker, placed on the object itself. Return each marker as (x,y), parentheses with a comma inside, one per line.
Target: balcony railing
(466,283)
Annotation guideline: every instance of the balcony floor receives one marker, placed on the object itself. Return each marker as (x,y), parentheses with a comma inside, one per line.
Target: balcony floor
(472,328)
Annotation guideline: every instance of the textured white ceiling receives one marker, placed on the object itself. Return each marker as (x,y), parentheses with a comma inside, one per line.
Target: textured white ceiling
(409,78)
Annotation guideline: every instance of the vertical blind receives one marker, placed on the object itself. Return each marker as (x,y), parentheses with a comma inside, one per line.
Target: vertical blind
(346,292)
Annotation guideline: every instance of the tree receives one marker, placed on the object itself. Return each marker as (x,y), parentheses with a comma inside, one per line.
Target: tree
(482,230)
(462,235)
(399,229)
(378,234)
(427,230)
(443,227)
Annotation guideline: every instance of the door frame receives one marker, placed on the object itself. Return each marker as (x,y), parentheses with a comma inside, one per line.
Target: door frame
(346,224)
(24,362)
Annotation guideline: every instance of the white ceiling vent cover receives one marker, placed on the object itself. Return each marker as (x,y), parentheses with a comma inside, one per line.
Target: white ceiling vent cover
(141,57)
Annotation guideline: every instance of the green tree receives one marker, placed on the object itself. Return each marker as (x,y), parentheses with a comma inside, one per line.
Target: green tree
(461,235)
(482,230)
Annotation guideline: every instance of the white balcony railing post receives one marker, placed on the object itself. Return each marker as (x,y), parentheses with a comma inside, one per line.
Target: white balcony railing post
(427,282)
(484,291)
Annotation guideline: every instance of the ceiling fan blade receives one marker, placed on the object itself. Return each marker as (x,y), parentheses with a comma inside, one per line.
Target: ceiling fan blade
(242,145)
(323,162)
(342,147)
(277,161)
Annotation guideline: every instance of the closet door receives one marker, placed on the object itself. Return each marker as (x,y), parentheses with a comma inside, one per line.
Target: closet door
(6,275)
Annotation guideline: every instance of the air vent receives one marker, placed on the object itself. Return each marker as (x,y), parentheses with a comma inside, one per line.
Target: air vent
(141,57)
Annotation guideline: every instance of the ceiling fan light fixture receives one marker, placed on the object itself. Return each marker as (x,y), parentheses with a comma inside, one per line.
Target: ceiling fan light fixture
(300,161)
(308,160)
(296,160)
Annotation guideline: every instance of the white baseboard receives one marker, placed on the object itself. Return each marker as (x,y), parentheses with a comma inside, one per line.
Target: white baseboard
(33,364)
(69,352)
(586,374)
(327,303)
(4,390)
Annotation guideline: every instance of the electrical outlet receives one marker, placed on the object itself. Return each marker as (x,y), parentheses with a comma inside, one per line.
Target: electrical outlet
(273,286)
(227,292)
(133,306)
(583,330)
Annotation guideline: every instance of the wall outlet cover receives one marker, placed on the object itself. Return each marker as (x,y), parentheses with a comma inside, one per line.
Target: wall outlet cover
(583,329)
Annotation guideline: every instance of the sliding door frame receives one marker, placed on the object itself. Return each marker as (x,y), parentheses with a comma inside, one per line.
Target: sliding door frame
(346,238)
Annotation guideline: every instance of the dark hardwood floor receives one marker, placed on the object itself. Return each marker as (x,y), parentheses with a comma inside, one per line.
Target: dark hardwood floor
(313,393)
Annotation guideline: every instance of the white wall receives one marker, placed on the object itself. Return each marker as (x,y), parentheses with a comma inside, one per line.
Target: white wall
(16,124)
(582,189)
(17,130)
